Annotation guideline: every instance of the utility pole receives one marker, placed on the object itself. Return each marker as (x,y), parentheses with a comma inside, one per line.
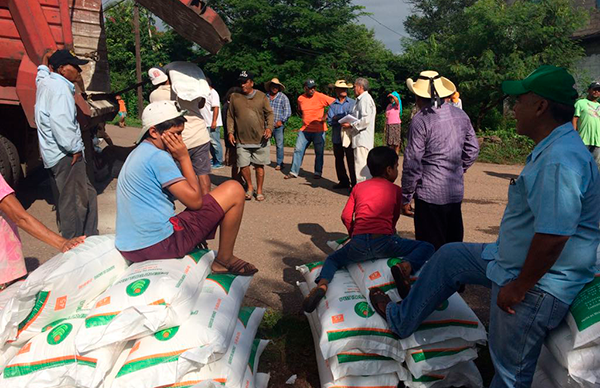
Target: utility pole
(138,57)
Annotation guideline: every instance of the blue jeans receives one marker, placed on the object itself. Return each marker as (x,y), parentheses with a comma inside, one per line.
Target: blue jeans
(278,135)
(216,149)
(302,143)
(515,340)
(363,247)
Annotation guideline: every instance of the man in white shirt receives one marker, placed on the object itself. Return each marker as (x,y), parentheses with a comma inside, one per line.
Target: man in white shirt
(211,112)
(362,130)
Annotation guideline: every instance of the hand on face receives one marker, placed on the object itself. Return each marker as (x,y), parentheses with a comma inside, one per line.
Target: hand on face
(175,145)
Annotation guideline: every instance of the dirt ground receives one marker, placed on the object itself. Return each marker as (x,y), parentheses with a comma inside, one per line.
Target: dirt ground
(289,228)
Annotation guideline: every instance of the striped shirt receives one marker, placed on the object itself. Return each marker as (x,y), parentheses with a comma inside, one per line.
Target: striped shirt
(281,107)
(441,147)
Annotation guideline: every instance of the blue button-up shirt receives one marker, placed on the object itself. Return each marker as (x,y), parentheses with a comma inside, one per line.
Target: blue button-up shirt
(281,107)
(336,111)
(558,192)
(56,117)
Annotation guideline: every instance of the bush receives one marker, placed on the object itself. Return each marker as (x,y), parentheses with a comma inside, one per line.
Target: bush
(513,149)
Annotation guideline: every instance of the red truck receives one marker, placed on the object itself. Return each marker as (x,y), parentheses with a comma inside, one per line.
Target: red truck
(29,28)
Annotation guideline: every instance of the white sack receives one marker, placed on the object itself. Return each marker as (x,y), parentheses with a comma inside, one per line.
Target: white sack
(375,273)
(464,375)
(187,80)
(584,315)
(427,359)
(150,296)
(7,352)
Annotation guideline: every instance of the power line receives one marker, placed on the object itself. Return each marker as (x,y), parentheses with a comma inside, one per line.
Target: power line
(383,25)
(113,5)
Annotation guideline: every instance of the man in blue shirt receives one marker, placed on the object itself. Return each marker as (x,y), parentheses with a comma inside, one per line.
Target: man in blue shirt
(546,248)
(341,107)
(282,110)
(61,146)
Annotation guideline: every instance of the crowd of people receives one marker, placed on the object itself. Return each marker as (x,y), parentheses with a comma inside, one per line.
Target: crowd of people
(544,255)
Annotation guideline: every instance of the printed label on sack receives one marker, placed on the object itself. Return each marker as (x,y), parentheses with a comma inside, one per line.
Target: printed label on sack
(363,310)
(167,334)
(393,261)
(59,333)
(375,275)
(586,307)
(61,303)
(103,302)
(138,287)
(25,349)
(337,318)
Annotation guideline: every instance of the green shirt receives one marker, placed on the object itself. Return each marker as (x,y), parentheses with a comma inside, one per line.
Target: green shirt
(589,121)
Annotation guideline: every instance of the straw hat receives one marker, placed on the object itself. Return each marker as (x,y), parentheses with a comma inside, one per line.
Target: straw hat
(431,85)
(341,83)
(273,81)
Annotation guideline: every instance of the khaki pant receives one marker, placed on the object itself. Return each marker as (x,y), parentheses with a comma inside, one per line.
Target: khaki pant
(360,164)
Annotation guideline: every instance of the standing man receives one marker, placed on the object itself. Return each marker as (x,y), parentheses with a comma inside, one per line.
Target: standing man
(61,146)
(163,87)
(249,127)
(341,107)
(282,111)
(362,130)
(311,106)
(441,147)
(546,248)
(211,112)
(587,120)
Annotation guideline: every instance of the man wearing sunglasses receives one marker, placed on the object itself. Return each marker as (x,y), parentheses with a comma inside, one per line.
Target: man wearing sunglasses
(61,145)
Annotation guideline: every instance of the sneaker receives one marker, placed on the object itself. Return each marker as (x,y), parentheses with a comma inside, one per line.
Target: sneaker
(310,303)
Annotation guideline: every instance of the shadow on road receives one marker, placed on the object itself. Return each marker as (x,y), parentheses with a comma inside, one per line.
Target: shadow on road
(318,236)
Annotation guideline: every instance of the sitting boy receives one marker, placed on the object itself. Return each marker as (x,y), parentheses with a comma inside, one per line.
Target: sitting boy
(370,216)
(147,227)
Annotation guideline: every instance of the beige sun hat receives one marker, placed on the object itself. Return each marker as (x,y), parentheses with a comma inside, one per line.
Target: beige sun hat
(341,83)
(431,85)
(273,81)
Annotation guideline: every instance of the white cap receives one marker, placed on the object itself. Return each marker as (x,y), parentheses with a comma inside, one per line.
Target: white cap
(158,112)
(157,76)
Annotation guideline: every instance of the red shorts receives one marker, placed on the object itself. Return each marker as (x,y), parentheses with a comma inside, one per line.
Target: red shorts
(190,228)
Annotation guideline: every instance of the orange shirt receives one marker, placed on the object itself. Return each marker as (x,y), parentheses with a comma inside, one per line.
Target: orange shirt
(122,107)
(313,110)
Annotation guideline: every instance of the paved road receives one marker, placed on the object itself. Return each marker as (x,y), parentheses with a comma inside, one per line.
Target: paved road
(294,223)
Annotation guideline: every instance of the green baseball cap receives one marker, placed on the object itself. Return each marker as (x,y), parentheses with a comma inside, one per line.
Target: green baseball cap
(551,82)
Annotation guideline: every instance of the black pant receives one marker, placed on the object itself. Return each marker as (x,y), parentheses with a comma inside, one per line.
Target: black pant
(438,224)
(339,151)
(75,199)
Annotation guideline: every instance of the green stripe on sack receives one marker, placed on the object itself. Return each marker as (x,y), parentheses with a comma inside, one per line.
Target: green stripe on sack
(314,265)
(586,306)
(99,320)
(146,363)
(40,300)
(338,335)
(25,369)
(428,355)
(197,254)
(427,379)
(253,354)
(385,287)
(245,314)
(438,325)
(346,358)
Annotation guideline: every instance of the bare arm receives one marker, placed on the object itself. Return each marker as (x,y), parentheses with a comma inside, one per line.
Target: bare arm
(11,206)
(574,122)
(187,191)
(215,117)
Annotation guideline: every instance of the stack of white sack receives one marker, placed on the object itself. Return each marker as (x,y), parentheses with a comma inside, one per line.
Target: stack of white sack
(165,357)
(549,373)
(62,286)
(148,297)
(575,344)
(353,367)
(442,347)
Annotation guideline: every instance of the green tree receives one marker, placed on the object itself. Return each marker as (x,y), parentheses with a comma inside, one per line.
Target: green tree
(491,42)
(434,17)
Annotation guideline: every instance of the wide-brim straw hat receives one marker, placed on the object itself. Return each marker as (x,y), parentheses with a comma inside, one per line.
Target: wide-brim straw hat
(341,83)
(273,81)
(430,85)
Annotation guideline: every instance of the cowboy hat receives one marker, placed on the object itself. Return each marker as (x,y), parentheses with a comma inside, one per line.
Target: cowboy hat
(431,85)
(274,81)
(341,83)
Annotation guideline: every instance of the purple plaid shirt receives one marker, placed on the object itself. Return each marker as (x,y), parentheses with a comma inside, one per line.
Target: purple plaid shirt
(441,147)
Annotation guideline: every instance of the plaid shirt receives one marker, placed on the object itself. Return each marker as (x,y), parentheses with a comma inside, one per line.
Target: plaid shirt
(281,107)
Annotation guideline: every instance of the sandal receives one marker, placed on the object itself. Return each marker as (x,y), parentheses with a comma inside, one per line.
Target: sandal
(379,301)
(290,176)
(249,195)
(237,267)
(402,280)
(260,197)
(310,303)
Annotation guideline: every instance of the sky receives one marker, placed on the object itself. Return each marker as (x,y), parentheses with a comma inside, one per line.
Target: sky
(387,19)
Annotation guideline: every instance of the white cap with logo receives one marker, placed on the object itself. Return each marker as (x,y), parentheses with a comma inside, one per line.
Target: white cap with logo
(157,76)
(158,112)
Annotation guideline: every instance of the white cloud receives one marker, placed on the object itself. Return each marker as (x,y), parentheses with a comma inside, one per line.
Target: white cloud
(392,14)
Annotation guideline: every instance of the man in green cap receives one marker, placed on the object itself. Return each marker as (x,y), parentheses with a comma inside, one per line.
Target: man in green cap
(546,248)
(587,120)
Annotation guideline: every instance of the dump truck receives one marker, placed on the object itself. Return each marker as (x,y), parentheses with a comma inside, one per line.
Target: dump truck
(30,28)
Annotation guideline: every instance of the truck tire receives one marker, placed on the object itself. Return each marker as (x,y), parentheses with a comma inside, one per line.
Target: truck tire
(10,166)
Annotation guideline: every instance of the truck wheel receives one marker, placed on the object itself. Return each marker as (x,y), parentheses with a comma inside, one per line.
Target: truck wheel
(10,167)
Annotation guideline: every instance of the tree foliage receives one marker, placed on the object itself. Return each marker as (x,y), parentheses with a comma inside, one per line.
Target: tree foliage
(492,41)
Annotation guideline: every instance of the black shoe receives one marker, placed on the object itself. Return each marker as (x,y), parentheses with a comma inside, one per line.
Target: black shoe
(341,186)
(402,281)
(312,300)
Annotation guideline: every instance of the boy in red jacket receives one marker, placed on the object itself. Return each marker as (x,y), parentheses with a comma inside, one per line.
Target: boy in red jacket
(370,215)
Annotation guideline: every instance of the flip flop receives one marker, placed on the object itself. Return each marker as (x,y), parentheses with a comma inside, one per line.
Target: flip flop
(290,176)
(249,195)
(260,197)
(402,281)
(310,303)
(379,301)
(237,267)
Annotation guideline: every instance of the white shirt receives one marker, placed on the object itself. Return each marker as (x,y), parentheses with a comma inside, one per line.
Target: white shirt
(364,129)
(207,111)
